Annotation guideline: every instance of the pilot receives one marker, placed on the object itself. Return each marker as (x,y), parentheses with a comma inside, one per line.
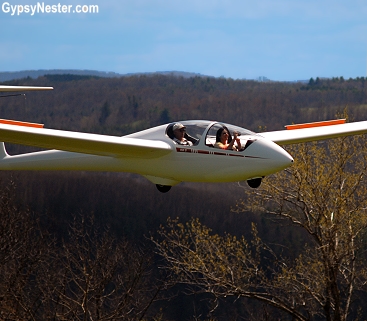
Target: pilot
(179,132)
(224,140)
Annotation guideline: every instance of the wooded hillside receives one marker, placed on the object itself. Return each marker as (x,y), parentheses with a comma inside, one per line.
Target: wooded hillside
(132,206)
(123,105)
(120,106)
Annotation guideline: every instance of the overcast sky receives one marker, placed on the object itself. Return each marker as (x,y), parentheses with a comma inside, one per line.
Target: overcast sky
(240,39)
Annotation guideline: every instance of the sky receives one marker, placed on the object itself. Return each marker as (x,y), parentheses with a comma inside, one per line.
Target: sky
(283,40)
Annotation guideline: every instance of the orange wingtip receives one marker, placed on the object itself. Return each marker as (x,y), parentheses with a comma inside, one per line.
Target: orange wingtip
(20,123)
(317,124)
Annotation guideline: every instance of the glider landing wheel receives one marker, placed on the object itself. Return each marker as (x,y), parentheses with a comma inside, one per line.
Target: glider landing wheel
(255,182)
(163,188)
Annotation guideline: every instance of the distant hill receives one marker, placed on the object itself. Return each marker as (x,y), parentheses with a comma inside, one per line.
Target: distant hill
(123,105)
(8,75)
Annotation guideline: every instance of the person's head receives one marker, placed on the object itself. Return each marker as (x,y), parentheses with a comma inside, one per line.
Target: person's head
(223,135)
(179,130)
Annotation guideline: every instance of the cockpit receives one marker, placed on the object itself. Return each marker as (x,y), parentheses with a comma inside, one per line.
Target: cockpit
(206,133)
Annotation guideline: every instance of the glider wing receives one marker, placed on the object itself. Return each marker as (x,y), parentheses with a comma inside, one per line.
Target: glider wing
(23,88)
(315,131)
(86,143)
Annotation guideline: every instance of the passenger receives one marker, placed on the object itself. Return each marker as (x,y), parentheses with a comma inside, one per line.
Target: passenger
(224,140)
(179,132)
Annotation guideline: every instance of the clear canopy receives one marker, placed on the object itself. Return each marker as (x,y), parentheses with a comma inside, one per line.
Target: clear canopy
(196,129)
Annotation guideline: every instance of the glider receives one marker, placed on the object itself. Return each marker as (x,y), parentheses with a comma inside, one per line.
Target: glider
(154,153)
(23,88)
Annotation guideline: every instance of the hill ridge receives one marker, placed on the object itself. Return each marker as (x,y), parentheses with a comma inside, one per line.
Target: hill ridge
(13,75)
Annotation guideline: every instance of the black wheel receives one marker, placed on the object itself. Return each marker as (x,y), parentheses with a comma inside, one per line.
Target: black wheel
(255,182)
(163,188)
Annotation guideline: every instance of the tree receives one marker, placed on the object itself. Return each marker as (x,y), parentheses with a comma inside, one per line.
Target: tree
(164,116)
(324,195)
(101,278)
(105,112)
(25,258)
(311,82)
(86,275)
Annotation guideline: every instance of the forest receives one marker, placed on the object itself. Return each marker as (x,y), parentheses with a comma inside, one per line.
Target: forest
(109,246)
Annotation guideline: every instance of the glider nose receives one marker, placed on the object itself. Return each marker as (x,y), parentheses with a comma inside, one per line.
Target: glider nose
(268,152)
(280,155)
(283,158)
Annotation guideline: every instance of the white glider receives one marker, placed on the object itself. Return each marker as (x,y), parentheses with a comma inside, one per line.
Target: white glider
(23,88)
(154,154)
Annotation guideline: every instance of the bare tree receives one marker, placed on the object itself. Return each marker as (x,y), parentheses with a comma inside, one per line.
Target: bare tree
(24,256)
(102,278)
(90,275)
(324,195)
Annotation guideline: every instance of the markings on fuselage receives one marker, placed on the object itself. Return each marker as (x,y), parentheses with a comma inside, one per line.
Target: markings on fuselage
(209,152)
